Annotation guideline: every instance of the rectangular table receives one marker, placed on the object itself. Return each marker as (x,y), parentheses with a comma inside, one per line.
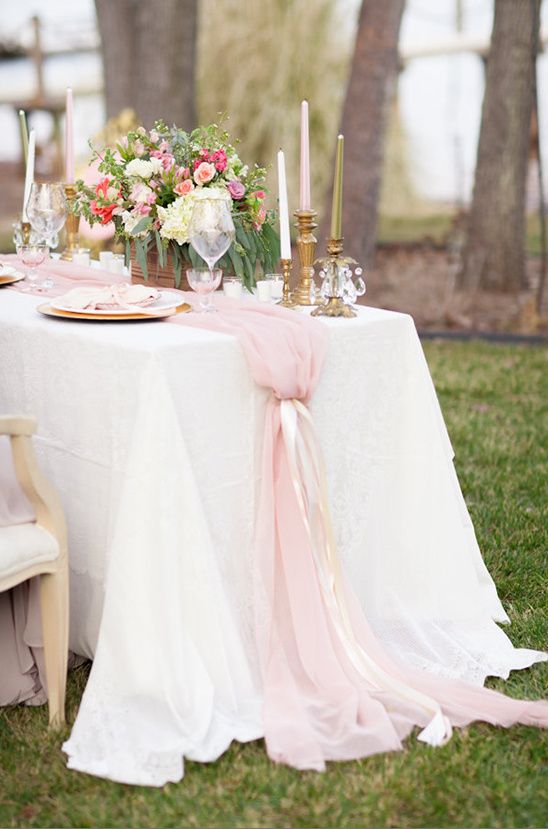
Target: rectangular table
(151,433)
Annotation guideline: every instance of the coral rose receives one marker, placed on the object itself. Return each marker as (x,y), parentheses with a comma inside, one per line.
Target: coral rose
(204,173)
(184,187)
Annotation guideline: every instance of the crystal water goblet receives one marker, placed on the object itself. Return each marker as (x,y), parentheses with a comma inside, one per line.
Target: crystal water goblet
(47,210)
(211,232)
(204,281)
(31,257)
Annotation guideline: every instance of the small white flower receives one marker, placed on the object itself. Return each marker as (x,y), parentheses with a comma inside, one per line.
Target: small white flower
(156,165)
(140,168)
(130,222)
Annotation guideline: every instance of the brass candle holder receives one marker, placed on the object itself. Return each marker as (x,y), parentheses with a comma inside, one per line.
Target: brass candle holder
(332,265)
(306,246)
(286,299)
(72,224)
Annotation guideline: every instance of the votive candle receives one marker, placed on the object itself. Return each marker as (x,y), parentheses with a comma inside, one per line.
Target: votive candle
(29,175)
(24,134)
(285,242)
(69,140)
(336,209)
(304,202)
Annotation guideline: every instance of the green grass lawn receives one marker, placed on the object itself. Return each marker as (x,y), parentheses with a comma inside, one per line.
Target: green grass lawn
(492,397)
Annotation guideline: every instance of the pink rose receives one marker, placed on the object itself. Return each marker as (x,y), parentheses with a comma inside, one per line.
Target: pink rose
(204,173)
(183,187)
(236,189)
(219,160)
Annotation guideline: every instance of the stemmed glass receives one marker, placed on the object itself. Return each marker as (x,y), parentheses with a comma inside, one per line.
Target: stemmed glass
(204,281)
(32,256)
(47,213)
(211,234)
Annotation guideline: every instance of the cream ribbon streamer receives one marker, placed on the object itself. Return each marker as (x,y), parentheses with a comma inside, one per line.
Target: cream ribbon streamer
(310,482)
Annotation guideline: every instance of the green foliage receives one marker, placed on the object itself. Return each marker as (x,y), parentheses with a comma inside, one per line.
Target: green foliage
(493,400)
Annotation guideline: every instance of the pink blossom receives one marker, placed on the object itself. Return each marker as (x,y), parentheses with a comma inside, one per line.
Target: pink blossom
(141,209)
(236,189)
(142,194)
(163,146)
(184,187)
(259,220)
(258,194)
(154,136)
(138,148)
(168,161)
(204,173)
(219,159)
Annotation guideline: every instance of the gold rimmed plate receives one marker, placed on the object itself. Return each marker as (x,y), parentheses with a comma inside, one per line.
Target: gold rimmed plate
(49,311)
(9,279)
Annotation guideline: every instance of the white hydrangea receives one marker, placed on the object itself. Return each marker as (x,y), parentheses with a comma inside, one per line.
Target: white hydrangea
(140,168)
(176,218)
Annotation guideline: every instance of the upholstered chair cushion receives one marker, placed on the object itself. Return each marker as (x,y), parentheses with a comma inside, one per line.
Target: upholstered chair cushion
(24,545)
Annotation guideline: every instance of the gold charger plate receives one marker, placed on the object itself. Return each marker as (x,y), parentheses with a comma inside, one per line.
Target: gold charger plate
(9,280)
(48,311)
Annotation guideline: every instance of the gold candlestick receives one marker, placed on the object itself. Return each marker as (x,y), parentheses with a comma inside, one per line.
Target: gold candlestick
(306,245)
(25,230)
(286,300)
(335,305)
(72,224)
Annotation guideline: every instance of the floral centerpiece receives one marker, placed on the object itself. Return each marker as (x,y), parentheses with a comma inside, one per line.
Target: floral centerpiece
(149,186)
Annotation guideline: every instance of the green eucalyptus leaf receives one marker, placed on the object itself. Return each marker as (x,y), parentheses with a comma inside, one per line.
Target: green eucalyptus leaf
(140,253)
(144,224)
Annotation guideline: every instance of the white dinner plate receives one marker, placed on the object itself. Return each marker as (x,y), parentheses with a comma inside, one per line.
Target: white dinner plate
(165,302)
(7,270)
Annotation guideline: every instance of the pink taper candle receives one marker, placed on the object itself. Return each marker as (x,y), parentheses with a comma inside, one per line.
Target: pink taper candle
(69,140)
(304,203)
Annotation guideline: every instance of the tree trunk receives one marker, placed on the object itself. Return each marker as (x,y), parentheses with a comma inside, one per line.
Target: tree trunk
(494,257)
(148,57)
(365,112)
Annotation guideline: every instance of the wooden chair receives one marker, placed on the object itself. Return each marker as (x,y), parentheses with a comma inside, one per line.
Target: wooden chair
(39,549)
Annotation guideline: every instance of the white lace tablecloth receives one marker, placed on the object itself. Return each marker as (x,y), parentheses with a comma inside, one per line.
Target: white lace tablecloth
(151,433)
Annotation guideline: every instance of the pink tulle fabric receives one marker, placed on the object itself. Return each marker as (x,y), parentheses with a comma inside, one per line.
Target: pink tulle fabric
(317,705)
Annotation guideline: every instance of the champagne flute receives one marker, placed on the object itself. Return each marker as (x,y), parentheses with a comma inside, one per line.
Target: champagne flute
(211,234)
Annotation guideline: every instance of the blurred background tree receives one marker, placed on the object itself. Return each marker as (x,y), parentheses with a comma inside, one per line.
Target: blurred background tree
(365,113)
(494,255)
(149,49)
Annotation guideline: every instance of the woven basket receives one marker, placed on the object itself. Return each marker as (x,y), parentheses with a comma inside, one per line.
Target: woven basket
(157,276)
